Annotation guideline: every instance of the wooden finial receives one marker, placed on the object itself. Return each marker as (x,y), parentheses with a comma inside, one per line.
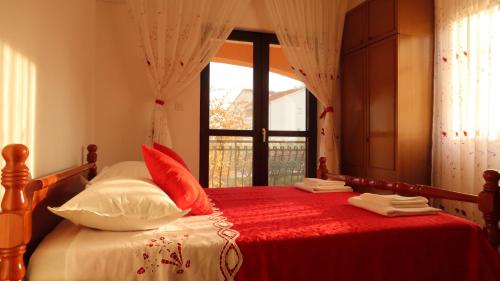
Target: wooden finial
(16,213)
(15,176)
(322,172)
(489,205)
(92,158)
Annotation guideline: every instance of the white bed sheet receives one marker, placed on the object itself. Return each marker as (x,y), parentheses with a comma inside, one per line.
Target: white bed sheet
(48,261)
(191,248)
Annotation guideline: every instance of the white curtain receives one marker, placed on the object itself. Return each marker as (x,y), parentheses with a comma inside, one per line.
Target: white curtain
(466,97)
(178,38)
(310,32)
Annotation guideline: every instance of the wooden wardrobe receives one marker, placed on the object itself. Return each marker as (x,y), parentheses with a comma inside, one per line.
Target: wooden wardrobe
(386,94)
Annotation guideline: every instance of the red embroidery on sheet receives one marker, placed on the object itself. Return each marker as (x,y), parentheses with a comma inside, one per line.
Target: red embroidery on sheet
(170,253)
(465,133)
(444,59)
(444,134)
(228,270)
(172,250)
(465,53)
(323,131)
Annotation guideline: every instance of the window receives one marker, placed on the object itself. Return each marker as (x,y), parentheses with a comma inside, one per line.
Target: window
(257,121)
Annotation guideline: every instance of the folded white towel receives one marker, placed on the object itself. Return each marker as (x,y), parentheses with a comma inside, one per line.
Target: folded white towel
(394,200)
(304,187)
(390,211)
(314,182)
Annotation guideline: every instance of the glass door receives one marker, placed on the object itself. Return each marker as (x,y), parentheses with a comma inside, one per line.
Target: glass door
(291,129)
(230,122)
(254,116)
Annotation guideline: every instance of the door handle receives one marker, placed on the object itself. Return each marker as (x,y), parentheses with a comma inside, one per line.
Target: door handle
(264,135)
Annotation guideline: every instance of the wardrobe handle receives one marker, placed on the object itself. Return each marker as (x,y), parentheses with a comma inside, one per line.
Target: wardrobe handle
(264,135)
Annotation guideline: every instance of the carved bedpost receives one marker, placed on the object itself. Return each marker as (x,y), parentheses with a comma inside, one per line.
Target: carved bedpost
(322,169)
(15,217)
(489,205)
(92,158)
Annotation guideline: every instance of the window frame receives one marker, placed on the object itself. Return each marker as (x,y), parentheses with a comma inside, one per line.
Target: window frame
(261,42)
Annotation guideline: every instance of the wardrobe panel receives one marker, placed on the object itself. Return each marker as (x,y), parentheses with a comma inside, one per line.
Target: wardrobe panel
(353,114)
(381,18)
(355,27)
(381,75)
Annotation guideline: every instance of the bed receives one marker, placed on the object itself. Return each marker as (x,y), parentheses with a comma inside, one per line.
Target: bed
(267,233)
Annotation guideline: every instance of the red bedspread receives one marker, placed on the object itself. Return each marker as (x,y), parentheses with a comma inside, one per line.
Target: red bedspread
(288,234)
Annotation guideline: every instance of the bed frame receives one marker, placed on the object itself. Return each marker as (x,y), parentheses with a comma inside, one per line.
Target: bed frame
(488,200)
(25,220)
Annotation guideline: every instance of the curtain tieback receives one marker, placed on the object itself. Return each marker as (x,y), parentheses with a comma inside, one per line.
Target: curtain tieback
(160,102)
(325,111)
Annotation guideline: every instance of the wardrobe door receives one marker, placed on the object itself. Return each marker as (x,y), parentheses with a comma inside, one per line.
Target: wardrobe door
(381,18)
(353,113)
(354,29)
(381,131)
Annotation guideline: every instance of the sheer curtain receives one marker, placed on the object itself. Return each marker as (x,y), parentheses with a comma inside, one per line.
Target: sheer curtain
(310,32)
(178,38)
(466,97)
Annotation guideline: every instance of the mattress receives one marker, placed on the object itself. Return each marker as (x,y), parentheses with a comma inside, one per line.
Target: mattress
(283,233)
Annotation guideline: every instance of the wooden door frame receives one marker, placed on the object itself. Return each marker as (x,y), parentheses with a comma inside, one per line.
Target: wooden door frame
(260,41)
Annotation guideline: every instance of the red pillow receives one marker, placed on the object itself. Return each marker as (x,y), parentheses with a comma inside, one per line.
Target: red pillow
(176,181)
(171,153)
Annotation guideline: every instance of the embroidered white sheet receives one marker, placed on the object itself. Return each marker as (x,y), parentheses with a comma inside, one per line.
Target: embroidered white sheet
(191,248)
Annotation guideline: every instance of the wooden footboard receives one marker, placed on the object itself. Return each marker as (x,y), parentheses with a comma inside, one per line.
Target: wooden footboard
(25,198)
(488,200)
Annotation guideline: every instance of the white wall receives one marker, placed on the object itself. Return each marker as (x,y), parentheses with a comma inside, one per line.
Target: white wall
(46,79)
(124,99)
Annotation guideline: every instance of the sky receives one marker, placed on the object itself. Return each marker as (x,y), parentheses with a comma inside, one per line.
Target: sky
(235,77)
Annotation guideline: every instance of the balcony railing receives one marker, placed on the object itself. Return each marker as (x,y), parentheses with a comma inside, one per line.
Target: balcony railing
(230,162)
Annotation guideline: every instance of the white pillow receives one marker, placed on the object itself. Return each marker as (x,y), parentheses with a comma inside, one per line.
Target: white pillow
(121,205)
(126,169)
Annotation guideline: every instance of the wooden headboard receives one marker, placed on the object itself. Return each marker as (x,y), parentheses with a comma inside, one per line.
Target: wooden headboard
(488,200)
(24,218)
